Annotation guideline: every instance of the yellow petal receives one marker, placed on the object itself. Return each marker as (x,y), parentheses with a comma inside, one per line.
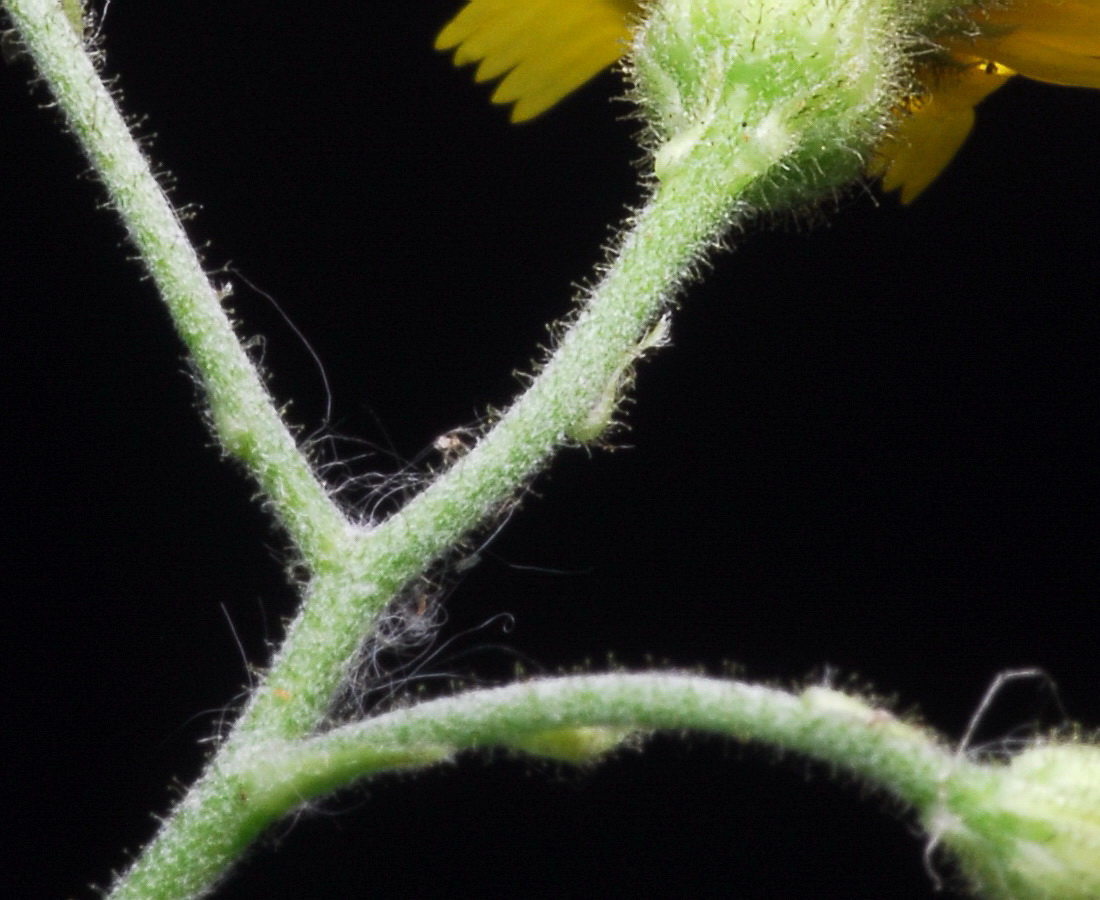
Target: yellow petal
(1039,59)
(544,48)
(1048,40)
(934,125)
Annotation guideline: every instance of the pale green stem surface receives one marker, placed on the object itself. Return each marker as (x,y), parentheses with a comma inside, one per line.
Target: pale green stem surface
(356,569)
(244,418)
(587,365)
(820,723)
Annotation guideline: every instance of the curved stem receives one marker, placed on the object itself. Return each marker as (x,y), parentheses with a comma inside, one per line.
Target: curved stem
(574,719)
(544,716)
(356,570)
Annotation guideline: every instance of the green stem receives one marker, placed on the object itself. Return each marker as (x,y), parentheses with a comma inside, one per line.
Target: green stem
(241,411)
(575,718)
(583,373)
(325,636)
(355,571)
(358,570)
(819,723)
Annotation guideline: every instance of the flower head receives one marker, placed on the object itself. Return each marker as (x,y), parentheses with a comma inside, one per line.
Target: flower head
(545,49)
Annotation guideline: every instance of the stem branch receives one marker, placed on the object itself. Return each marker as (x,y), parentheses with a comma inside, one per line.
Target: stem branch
(241,411)
(819,723)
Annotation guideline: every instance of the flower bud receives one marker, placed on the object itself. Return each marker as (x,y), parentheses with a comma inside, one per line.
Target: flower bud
(1029,830)
(793,93)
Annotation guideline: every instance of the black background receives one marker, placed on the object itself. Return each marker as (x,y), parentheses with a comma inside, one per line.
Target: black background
(871,449)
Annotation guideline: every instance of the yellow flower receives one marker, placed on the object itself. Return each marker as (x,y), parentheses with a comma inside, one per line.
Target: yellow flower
(545,49)
(1057,41)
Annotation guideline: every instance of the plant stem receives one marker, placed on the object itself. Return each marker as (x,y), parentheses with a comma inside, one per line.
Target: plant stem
(211,826)
(241,411)
(586,368)
(355,570)
(266,780)
(819,723)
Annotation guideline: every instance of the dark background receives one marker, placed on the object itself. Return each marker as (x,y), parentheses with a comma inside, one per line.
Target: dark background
(871,450)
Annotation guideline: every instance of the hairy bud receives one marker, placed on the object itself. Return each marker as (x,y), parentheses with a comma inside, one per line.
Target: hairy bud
(1029,830)
(794,93)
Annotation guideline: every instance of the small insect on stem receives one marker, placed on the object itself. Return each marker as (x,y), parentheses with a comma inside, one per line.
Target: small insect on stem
(454,444)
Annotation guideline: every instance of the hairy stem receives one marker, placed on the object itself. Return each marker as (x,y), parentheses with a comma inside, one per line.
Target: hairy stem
(241,411)
(544,716)
(355,570)
(569,397)
(213,824)
(732,146)
(576,719)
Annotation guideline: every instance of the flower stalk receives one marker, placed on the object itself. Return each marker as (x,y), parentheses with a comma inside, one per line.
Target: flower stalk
(581,718)
(241,412)
(752,106)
